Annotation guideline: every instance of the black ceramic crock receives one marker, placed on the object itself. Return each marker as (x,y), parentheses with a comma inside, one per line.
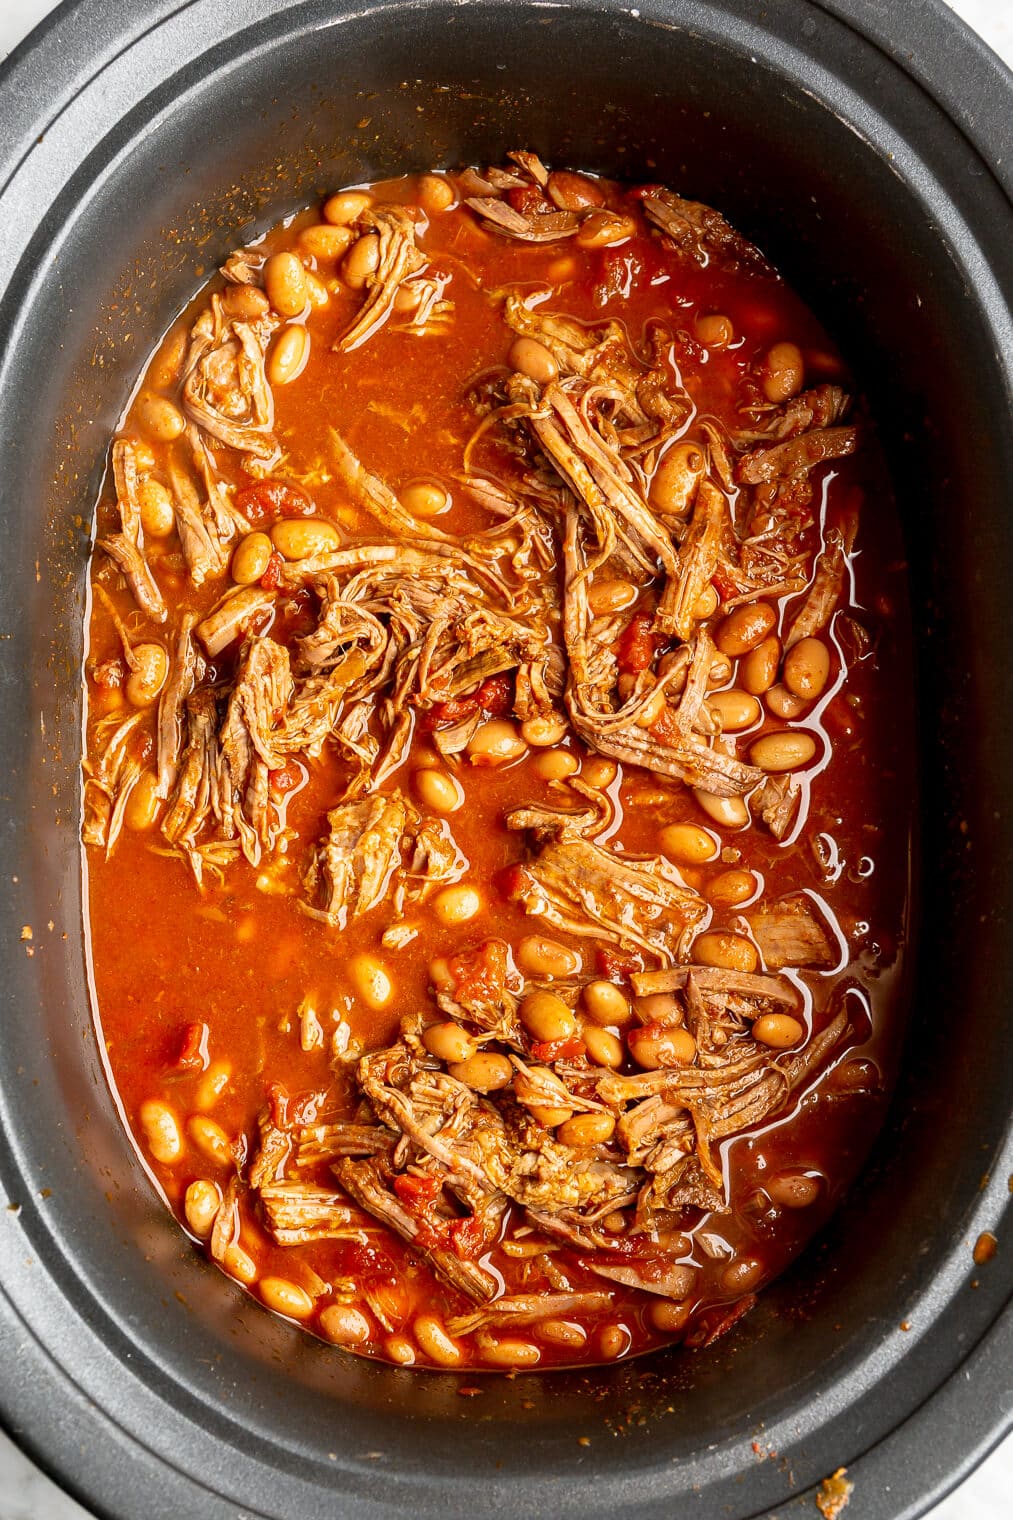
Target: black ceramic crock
(866,148)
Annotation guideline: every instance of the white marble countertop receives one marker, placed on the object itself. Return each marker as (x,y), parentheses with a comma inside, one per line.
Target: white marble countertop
(25,1492)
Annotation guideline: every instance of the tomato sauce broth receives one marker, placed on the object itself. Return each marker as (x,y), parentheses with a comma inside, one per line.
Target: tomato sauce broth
(190,982)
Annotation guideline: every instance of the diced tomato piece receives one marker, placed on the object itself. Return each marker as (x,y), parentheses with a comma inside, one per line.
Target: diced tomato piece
(466,1237)
(666,728)
(616,965)
(637,643)
(272,575)
(193,1051)
(415,1192)
(528,200)
(289,1109)
(479,975)
(724,586)
(453,711)
(270,499)
(286,779)
(496,696)
(558,1050)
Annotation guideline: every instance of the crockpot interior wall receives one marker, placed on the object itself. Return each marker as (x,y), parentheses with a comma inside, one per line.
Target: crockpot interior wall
(165,199)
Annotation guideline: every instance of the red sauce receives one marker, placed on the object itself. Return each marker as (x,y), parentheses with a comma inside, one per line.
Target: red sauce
(202,993)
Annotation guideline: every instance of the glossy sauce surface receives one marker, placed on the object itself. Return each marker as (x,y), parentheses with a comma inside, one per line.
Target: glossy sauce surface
(223,1002)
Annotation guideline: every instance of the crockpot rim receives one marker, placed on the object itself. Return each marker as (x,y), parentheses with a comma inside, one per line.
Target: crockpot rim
(987,1352)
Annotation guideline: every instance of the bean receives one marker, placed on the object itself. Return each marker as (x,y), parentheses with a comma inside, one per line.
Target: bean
(562,270)
(160,418)
(544,730)
(606,1004)
(744,628)
(603,229)
(325,241)
(653,709)
(729,952)
(346,206)
(743,1275)
(562,1332)
(728,812)
(440,974)
(793,1190)
(438,791)
(457,904)
(144,455)
(448,1042)
(653,1047)
(573,192)
(316,290)
(245,303)
(361,261)
(720,671)
(435,1343)
(145,681)
(485,1072)
(210,1139)
(495,742)
(668,1317)
(714,330)
(548,1118)
(783,372)
(613,1340)
(370,980)
(425,498)
(675,480)
(286,1297)
(609,596)
(731,888)
(587,1129)
(555,764)
(807,668)
(288,356)
(661,1008)
(603,1047)
(240,1265)
(285,284)
(758,671)
(161,1131)
(212,1085)
(734,709)
(546,1017)
(508,1352)
(435,194)
(688,844)
(168,362)
(784,704)
(143,804)
(344,1325)
(538,956)
(251,558)
(399,1349)
(157,515)
(706,604)
(778,1030)
(531,358)
(598,772)
(782,751)
(304,537)
(200,1205)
